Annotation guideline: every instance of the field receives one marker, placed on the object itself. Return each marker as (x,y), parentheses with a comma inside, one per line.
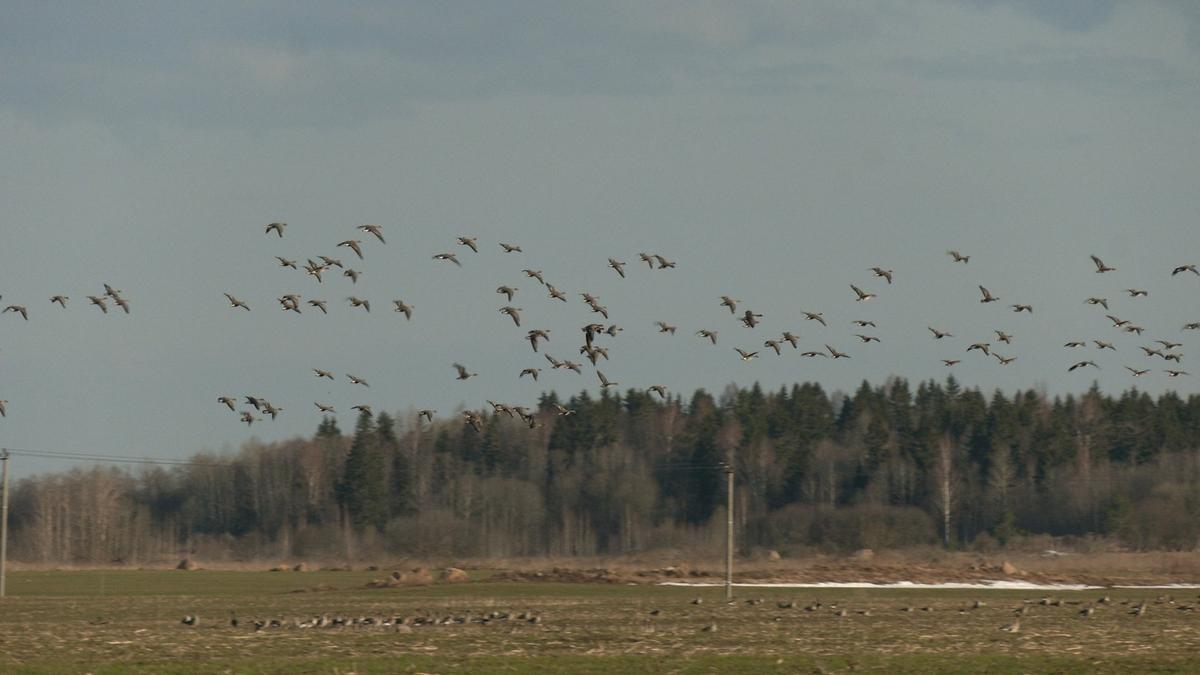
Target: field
(110,621)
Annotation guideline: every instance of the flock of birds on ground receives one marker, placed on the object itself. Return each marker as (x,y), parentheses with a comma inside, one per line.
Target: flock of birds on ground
(595,333)
(1084,609)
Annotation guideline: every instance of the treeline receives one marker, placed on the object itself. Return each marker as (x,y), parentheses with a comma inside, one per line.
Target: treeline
(885,467)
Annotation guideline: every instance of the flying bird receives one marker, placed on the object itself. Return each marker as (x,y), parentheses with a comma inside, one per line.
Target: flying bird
(1135,372)
(663,263)
(537,334)
(663,327)
(1136,292)
(746,356)
(987,295)
(278,227)
(555,294)
(228,401)
(61,300)
(404,308)
(1082,364)
(331,262)
(1103,302)
(234,302)
(862,295)
(532,372)
(358,302)
(319,304)
(362,408)
(375,230)
(353,245)
(462,372)
(323,373)
(1101,268)
(535,274)
(357,380)
(1185,268)
(353,274)
(658,389)
(866,338)
(791,338)
(1022,308)
(19,309)
(951,362)
(324,408)
(880,272)
(710,334)
(773,344)
(1003,337)
(836,354)
(507,291)
(469,242)
(864,324)
(284,262)
(750,319)
(448,256)
(729,302)
(510,248)
(604,381)
(427,414)
(939,334)
(984,347)
(958,257)
(1004,360)
(618,266)
(815,316)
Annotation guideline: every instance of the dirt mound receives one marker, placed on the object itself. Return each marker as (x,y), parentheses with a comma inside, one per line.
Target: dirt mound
(187,565)
(566,575)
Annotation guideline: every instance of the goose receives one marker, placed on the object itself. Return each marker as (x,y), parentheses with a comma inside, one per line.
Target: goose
(1101,268)
(289,303)
(618,266)
(939,334)
(448,256)
(1168,345)
(571,365)
(815,316)
(1022,308)
(613,330)
(750,319)
(1101,344)
(234,302)
(1135,372)
(864,324)
(189,620)
(1103,302)
(1175,373)
(836,354)
(278,227)
(1075,343)
(19,309)
(814,354)
(984,347)
(535,274)
(462,372)
(563,411)
(469,242)
(593,353)
(729,302)
(510,248)
(404,308)
(604,381)
(600,309)
(356,302)
(427,414)
(867,338)
(498,408)
(324,408)
(746,356)
(229,401)
(647,258)
(1003,337)
(532,372)
(663,263)
(791,338)
(659,389)
(61,300)
(1150,351)
(1004,360)
(323,373)
(514,312)
(272,410)
(1191,326)
(1081,364)
(1116,322)
(256,401)
(554,363)
(1185,268)
(99,302)
(773,344)
(1137,292)
(1133,329)
(507,291)
(555,294)
(886,274)
(1087,612)
(958,257)
(122,303)
(711,335)
(284,262)
(537,334)
(319,304)
(375,230)
(663,327)
(362,408)
(314,270)
(331,262)
(863,296)
(353,274)
(250,419)
(1177,358)
(1014,627)
(951,362)
(357,380)
(590,331)
(987,295)
(474,420)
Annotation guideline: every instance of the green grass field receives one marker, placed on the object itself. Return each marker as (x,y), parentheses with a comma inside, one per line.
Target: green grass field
(129,621)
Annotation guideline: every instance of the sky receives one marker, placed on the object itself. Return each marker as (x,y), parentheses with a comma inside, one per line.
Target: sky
(774,150)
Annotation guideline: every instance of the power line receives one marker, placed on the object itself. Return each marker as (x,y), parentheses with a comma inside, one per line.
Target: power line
(111,458)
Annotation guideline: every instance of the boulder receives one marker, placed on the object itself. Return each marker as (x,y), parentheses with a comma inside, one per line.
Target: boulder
(1009,568)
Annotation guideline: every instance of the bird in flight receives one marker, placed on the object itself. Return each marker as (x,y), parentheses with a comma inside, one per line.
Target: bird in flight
(462,372)
(1103,302)
(249,418)
(1185,268)
(815,316)
(358,302)
(532,372)
(353,274)
(510,248)
(357,380)
(375,230)
(1003,337)
(507,291)
(535,274)
(278,227)
(1135,372)
(750,319)
(323,373)
(537,334)
(867,338)
(664,327)
(61,300)
(324,408)
(958,257)
(404,308)
(448,256)
(1136,292)
(427,414)
(939,334)
(792,339)
(987,295)
(555,294)
(880,272)
(663,263)
(836,354)
(19,309)
(604,381)
(1081,364)
(514,312)
(1175,373)
(228,401)
(746,356)
(863,324)
(862,295)
(469,242)
(773,344)
(1004,360)
(319,304)
(284,262)
(1022,308)
(658,389)
(729,302)
(234,302)
(951,362)
(353,245)
(710,334)
(1101,268)
(618,266)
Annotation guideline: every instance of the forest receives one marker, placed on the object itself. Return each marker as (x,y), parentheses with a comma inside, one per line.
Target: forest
(884,467)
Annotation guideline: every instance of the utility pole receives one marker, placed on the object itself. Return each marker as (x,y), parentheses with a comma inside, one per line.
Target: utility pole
(3,518)
(728,469)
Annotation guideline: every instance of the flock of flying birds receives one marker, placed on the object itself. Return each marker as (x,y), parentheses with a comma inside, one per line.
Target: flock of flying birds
(594,332)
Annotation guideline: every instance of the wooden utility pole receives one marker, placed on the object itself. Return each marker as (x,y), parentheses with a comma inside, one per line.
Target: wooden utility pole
(3,518)
(728,531)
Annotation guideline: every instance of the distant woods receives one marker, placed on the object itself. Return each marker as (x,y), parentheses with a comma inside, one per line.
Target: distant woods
(884,467)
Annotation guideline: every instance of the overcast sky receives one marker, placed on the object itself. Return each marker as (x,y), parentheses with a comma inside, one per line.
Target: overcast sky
(774,150)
